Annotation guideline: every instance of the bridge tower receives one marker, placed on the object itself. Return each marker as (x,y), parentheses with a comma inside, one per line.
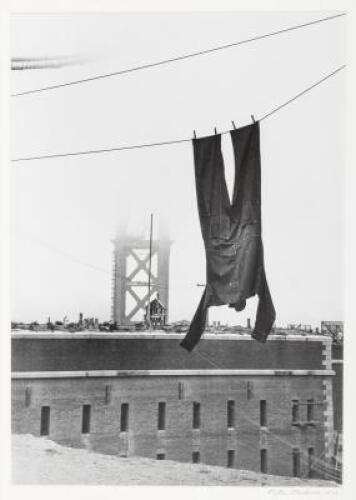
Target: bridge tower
(131,273)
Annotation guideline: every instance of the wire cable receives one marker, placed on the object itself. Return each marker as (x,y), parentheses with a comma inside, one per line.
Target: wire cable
(77,260)
(177,141)
(302,93)
(98,151)
(319,464)
(178,58)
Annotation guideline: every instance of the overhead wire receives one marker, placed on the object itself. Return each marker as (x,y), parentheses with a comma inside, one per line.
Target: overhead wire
(241,443)
(303,92)
(178,58)
(319,465)
(175,141)
(77,260)
(114,273)
(320,462)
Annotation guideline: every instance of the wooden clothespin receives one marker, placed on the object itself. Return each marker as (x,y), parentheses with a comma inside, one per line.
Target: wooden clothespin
(233,124)
(215,130)
(253,119)
(194,134)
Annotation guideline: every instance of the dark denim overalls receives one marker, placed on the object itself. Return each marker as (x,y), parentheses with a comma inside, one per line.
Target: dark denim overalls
(231,231)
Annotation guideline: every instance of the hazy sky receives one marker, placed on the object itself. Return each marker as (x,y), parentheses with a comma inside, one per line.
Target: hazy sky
(65,211)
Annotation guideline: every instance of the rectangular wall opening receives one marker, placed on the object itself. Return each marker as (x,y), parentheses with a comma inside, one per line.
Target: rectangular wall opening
(124,417)
(160,456)
(196,415)
(310,410)
(263,457)
(231,413)
(107,394)
(310,462)
(296,462)
(27,397)
(196,457)
(263,413)
(295,410)
(86,419)
(161,416)
(249,390)
(180,390)
(45,420)
(230,458)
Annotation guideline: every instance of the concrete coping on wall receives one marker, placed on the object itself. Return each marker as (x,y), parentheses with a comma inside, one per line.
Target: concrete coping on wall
(25,334)
(169,373)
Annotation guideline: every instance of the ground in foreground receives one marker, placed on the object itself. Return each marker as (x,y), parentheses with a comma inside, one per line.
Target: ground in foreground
(41,461)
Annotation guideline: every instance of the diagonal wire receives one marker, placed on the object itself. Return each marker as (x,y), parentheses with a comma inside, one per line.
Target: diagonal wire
(302,93)
(319,464)
(176,141)
(78,260)
(179,58)
(107,150)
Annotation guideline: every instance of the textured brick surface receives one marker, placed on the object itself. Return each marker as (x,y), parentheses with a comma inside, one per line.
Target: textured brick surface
(337,351)
(36,354)
(338,356)
(178,440)
(328,416)
(338,396)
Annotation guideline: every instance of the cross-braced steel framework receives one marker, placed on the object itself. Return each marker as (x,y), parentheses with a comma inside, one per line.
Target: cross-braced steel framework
(130,294)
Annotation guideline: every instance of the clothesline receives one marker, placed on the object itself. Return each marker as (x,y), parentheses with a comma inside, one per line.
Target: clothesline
(178,58)
(176,141)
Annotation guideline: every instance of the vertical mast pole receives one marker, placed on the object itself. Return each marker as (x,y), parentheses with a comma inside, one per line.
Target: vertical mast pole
(149,274)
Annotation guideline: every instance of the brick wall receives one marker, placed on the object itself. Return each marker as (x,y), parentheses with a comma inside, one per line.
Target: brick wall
(126,368)
(54,351)
(65,396)
(337,385)
(337,390)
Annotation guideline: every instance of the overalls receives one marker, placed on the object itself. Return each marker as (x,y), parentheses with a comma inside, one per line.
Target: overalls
(231,231)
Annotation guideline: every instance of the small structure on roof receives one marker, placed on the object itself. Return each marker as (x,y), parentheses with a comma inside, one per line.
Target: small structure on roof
(157,313)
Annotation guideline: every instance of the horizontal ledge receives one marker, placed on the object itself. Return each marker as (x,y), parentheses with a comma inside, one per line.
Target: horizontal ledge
(304,423)
(337,361)
(169,373)
(25,334)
